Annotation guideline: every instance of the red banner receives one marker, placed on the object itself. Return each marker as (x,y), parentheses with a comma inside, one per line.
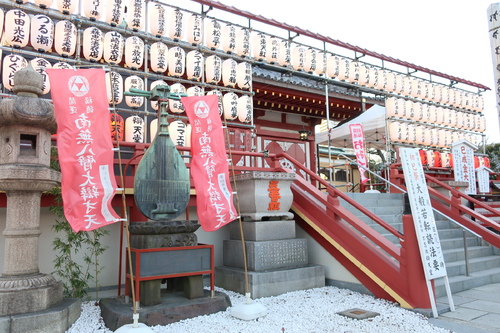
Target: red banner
(358,143)
(209,166)
(84,147)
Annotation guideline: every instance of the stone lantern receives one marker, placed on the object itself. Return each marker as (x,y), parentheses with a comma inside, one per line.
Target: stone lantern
(26,124)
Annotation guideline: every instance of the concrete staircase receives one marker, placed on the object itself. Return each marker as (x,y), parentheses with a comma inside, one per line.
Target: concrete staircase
(484,259)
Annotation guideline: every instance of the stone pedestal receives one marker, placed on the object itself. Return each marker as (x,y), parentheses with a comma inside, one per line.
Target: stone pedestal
(277,262)
(164,234)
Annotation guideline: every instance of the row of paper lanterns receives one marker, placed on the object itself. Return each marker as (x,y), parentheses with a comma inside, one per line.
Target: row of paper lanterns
(410,133)
(133,129)
(432,114)
(231,106)
(437,159)
(109,46)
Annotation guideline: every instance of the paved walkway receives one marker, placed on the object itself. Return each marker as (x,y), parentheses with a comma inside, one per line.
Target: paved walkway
(477,310)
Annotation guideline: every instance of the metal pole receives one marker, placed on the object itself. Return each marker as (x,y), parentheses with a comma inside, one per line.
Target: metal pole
(327,104)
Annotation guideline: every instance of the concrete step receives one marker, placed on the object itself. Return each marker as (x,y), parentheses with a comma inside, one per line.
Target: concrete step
(456,268)
(458,243)
(451,255)
(461,282)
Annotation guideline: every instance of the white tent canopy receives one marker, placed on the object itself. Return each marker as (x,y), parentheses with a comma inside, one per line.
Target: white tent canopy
(373,121)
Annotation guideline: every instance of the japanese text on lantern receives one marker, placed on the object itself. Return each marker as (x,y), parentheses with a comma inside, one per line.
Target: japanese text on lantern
(274,194)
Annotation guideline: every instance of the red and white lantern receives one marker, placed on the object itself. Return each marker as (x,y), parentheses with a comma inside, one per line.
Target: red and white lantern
(194,65)
(176,106)
(176,61)
(136,82)
(230,105)
(158,54)
(157,19)
(194,29)
(134,52)
(213,69)
(18,32)
(114,88)
(245,109)
(113,14)
(136,14)
(93,44)
(176,25)
(11,64)
(42,33)
(229,73)
(113,47)
(40,65)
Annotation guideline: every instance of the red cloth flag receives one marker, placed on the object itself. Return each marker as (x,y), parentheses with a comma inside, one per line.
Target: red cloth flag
(84,147)
(358,143)
(209,165)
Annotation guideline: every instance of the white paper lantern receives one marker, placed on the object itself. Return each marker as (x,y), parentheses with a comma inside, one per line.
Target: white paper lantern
(11,64)
(407,85)
(244,76)
(113,47)
(194,29)
(155,105)
(344,66)
(134,52)
(417,112)
(229,73)
(409,111)
(65,38)
(353,72)
(433,115)
(219,95)
(213,69)
(153,129)
(213,34)
(468,122)
(363,76)
(228,38)
(178,133)
(441,116)
(62,65)
(311,60)
(466,101)
(40,65)
(460,116)
(259,47)
(480,104)
(243,42)
(427,136)
(136,14)
(417,89)
(372,77)
(195,91)
(445,95)
(93,9)
(158,54)
(230,105)
(333,67)
(427,90)
(284,53)
(430,157)
(176,61)
(114,87)
(322,66)
(67,6)
(134,129)
(44,3)
(114,12)
(390,85)
(194,65)
(42,33)
(18,31)
(157,19)
(176,25)
(272,50)
(436,94)
(299,57)
(481,124)
(93,44)
(176,106)
(2,17)
(398,83)
(136,82)
(411,133)
(426,116)
(396,132)
(382,79)
(245,109)
(391,107)
(445,160)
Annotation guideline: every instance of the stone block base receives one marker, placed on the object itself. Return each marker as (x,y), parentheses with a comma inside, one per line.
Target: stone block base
(266,255)
(272,283)
(263,231)
(174,307)
(56,319)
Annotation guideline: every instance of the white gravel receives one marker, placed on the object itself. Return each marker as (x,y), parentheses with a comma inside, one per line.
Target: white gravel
(312,310)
